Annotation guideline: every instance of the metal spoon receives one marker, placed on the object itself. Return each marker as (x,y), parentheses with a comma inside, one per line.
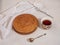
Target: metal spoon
(32,39)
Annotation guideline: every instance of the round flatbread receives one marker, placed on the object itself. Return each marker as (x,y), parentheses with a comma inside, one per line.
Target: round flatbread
(25,23)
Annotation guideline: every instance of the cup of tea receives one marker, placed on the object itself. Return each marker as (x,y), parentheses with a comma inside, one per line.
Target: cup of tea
(46,22)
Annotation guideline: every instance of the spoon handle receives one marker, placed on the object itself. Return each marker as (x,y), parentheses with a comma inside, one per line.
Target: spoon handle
(40,36)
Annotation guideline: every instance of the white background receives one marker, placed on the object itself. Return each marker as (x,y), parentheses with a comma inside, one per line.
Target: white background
(53,35)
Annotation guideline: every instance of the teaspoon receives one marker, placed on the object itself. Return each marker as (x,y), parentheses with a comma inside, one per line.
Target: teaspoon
(32,39)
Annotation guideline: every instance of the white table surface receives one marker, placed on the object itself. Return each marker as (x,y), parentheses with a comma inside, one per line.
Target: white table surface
(53,35)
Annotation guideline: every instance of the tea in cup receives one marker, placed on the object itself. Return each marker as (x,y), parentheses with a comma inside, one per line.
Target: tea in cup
(46,22)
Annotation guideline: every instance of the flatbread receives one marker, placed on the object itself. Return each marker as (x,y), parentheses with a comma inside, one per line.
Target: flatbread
(25,23)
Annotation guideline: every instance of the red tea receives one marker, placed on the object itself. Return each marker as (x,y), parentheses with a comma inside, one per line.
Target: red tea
(47,22)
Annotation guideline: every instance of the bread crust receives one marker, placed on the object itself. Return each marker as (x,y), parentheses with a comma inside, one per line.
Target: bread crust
(25,23)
